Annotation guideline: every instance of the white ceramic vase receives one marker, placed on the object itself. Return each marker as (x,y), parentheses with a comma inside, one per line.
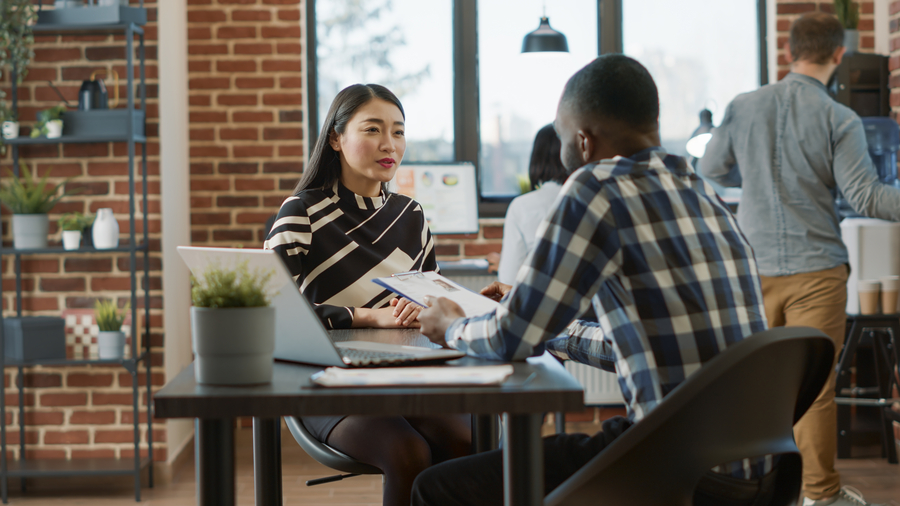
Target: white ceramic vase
(71,239)
(110,344)
(105,232)
(10,129)
(233,346)
(30,231)
(54,129)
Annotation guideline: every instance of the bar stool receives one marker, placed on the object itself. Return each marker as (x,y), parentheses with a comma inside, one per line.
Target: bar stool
(882,333)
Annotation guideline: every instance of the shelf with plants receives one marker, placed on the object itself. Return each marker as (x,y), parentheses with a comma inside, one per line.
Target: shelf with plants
(74,139)
(131,133)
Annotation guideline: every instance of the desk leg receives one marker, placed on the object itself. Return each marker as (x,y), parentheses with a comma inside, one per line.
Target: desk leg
(523,460)
(267,461)
(214,458)
(485,433)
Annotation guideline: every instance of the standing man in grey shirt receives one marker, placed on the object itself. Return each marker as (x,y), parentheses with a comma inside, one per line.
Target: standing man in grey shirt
(790,146)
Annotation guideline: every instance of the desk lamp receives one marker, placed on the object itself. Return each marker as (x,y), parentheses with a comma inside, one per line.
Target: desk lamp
(696,145)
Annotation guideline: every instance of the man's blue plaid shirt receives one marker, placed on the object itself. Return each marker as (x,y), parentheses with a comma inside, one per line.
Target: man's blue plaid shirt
(671,278)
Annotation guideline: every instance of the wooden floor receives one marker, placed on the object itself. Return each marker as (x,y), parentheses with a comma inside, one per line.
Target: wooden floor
(878,480)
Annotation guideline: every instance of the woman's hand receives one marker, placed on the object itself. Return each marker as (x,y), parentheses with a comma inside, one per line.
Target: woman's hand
(406,311)
(496,290)
(402,313)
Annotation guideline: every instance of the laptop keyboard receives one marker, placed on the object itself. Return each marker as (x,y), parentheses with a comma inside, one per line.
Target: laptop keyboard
(357,357)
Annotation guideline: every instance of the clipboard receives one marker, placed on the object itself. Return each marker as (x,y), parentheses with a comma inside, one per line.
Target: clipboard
(416,285)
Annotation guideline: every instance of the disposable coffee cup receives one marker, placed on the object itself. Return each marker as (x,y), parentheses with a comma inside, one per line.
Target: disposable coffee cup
(890,288)
(869,291)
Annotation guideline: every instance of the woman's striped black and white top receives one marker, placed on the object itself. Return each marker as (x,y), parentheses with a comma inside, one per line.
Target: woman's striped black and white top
(335,242)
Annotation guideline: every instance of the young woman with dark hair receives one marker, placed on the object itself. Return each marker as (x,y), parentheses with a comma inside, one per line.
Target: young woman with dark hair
(526,211)
(340,228)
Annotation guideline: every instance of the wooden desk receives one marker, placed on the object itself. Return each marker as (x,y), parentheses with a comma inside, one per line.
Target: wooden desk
(536,387)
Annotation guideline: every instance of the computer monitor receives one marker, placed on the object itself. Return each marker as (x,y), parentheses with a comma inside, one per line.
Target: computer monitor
(447,193)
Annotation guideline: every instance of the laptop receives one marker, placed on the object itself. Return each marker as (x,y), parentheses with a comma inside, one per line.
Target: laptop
(299,335)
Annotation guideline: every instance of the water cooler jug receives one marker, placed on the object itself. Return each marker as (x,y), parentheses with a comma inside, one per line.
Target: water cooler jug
(883,138)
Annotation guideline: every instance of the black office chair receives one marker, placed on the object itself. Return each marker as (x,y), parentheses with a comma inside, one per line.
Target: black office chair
(326,455)
(743,403)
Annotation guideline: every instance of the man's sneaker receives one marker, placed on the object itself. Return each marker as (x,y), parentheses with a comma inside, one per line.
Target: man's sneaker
(848,496)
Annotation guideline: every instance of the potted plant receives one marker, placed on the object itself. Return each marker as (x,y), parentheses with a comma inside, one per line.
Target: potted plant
(50,123)
(232,326)
(72,225)
(847,12)
(110,338)
(30,202)
(16,39)
(9,123)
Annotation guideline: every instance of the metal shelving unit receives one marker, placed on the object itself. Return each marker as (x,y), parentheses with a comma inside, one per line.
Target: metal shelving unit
(24,468)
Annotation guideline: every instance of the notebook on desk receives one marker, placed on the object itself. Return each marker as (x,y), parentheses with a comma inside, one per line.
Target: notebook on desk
(299,335)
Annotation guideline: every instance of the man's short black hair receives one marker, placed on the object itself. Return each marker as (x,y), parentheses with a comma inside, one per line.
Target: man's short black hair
(614,87)
(815,37)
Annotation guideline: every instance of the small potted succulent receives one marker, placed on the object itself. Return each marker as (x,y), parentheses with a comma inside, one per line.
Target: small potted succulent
(30,201)
(9,123)
(110,338)
(73,225)
(50,123)
(232,326)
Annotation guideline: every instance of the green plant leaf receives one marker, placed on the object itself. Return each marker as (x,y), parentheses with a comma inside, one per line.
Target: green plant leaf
(22,195)
(109,317)
(239,287)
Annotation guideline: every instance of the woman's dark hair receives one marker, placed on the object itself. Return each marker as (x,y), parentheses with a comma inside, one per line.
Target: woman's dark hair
(324,166)
(545,164)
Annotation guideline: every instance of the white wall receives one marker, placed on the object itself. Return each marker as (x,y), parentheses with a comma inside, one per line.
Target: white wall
(175,195)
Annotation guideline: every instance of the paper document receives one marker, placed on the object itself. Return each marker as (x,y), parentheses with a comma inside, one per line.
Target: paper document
(416,285)
(413,376)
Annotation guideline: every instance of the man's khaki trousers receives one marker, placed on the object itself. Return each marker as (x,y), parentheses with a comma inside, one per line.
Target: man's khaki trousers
(818,300)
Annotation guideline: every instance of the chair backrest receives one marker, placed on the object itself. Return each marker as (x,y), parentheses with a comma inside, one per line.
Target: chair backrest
(325,454)
(741,404)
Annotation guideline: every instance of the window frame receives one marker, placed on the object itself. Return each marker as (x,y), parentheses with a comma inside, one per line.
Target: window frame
(467,135)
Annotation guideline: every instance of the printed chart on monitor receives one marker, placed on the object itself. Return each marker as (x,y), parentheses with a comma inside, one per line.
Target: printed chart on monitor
(446,192)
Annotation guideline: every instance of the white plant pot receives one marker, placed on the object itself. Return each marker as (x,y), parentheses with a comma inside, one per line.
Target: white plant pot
(105,231)
(233,346)
(10,129)
(111,344)
(71,239)
(30,231)
(851,40)
(54,129)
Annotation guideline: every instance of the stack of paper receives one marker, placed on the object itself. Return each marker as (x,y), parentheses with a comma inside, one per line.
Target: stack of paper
(413,376)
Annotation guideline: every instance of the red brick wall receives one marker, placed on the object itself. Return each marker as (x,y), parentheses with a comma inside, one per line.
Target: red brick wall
(894,61)
(75,412)
(246,147)
(789,10)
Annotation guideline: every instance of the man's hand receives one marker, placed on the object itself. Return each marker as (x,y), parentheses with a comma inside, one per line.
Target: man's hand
(496,290)
(437,317)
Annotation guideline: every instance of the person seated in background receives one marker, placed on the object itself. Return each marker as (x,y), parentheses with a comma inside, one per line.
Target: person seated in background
(341,228)
(639,235)
(526,211)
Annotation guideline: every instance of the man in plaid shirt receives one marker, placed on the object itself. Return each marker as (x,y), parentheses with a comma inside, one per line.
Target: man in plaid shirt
(635,233)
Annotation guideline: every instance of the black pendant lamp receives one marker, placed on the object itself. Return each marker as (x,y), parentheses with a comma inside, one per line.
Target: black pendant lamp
(545,39)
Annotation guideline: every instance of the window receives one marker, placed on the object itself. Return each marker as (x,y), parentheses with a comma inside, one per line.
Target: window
(519,92)
(386,42)
(697,58)
(470,95)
